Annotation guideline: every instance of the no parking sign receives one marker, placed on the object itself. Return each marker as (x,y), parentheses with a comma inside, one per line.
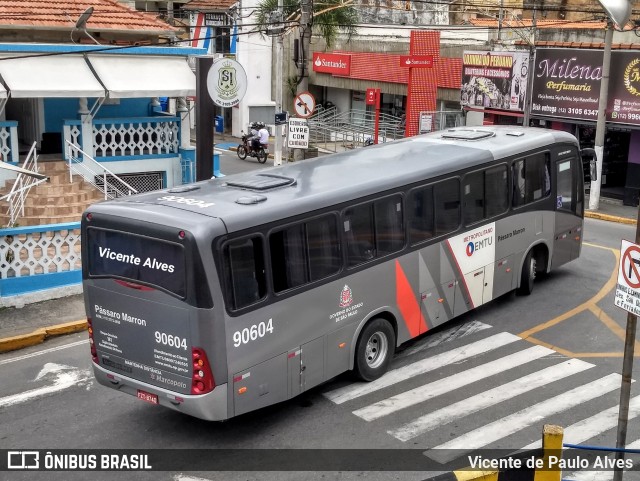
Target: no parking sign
(628,287)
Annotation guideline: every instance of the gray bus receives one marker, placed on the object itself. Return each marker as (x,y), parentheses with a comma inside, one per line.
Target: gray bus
(224,296)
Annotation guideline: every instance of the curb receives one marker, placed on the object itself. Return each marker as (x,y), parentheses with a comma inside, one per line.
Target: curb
(40,335)
(610,218)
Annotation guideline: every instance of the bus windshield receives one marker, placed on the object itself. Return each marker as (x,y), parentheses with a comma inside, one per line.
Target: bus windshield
(137,258)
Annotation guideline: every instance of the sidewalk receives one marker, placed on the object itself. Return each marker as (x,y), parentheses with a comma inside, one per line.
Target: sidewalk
(34,323)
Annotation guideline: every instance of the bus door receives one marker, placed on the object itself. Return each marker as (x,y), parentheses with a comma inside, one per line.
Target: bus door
(305,366)
(569,210)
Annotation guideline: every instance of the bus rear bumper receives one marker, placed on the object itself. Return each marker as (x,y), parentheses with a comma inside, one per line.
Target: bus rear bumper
(211,406)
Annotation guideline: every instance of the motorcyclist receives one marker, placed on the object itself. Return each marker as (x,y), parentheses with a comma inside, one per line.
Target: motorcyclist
(261,139)
(253,133)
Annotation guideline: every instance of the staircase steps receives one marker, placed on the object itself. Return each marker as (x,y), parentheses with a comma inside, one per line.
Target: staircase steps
(59,200)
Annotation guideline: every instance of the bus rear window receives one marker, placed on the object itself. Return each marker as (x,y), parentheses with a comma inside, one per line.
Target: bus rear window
(137,258)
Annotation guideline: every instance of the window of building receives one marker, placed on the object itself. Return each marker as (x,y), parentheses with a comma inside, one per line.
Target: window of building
(244,271)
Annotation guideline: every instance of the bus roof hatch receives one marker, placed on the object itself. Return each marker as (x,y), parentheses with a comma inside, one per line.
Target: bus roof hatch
(467,134)
(262,182)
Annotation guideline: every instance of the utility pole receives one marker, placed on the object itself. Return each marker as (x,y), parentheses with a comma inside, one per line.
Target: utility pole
(279,17)
(529,86)
(305,47)
(601,125)
(618,13)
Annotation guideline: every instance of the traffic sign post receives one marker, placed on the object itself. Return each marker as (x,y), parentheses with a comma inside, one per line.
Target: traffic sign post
(628,298)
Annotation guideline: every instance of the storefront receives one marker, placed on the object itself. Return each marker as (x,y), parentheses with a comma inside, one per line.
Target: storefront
(565,96)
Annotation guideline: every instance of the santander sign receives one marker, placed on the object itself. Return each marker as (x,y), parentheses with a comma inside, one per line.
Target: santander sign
(333,63)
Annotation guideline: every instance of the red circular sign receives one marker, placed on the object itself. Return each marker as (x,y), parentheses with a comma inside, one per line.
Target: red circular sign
(633,271)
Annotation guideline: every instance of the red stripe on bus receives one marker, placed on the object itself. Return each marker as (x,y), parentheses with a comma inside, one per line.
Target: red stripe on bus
(408,305)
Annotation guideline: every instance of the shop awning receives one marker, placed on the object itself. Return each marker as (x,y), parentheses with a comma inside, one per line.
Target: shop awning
(62,76)
(144,76)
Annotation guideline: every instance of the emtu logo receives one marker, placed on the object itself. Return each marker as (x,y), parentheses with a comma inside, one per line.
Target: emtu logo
(470,249)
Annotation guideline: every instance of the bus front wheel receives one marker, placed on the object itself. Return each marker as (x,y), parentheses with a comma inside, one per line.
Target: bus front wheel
(528,275)
(374,350)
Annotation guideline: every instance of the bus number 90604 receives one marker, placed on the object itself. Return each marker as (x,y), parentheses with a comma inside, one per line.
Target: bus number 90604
(252,333)
(171,341)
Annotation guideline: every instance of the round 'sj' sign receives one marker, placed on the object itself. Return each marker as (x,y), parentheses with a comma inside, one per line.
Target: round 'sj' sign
(226,82)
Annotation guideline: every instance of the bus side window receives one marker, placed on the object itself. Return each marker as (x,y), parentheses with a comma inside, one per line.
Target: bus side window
(447,205)
(473,197)
(358,227)
(496,191)
(531,179)
(421,221)
(389,226)
(304,252)
(244,269)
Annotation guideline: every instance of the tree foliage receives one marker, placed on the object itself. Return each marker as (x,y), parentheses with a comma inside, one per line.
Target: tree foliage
(329,17)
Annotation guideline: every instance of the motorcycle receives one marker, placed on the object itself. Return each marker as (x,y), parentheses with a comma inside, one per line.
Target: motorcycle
(246,149)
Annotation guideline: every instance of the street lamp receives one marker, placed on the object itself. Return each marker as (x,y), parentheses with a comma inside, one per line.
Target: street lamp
(618,12)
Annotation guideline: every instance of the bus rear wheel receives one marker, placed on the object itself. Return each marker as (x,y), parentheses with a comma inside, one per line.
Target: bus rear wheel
(528,275)
(374,350)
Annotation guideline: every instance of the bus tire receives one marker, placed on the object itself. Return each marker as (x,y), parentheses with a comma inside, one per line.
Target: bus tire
(242,152)
(528,275)
(374,350)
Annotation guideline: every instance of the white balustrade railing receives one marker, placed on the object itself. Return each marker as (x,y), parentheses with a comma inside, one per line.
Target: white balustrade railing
(126,138)
(31,251)
(17,196)
(85,166)
(9,141)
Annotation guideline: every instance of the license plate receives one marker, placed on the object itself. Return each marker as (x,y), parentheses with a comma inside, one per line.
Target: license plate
(148,397)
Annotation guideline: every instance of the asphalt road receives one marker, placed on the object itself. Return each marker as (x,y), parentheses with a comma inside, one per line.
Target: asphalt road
(479,385)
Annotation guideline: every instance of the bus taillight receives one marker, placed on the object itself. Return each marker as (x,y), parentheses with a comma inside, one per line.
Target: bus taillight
(202,379)
(94,352)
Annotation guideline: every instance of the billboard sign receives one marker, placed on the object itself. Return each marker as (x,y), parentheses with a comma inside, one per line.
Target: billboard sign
(494,79)
(623,101)
(566,83)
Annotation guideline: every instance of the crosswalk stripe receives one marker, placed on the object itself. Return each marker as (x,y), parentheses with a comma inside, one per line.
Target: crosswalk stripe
(395,376)
(599,475)
(489,398)
(594,425)
(501,428)
(450,383)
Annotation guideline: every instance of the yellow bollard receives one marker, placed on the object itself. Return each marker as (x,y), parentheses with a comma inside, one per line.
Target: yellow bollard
(551,446)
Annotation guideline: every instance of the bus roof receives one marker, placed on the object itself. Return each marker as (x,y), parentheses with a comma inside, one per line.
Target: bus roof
(243,201)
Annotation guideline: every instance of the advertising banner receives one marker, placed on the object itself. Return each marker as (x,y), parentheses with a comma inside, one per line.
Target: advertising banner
(566,83)
(494,79)
(623,101)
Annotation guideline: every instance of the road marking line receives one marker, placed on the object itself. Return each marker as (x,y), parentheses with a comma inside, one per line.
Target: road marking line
(594,425)
(395,376)
(64,377)
(489,398)
(442,386)
(515,422)
(44,351)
